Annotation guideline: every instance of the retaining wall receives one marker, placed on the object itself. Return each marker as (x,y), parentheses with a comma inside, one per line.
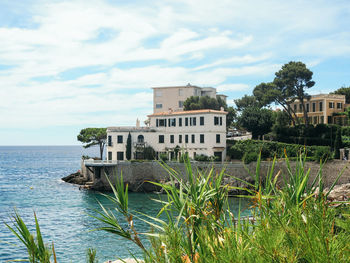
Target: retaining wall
(137,174)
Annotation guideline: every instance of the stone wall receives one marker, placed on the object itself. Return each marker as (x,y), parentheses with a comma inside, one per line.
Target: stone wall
(138,174)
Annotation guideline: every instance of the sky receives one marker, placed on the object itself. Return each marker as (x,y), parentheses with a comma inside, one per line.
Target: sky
(68,65)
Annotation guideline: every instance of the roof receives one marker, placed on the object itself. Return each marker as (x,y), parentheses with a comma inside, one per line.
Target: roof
(170,87)
(129,129)
(172,113)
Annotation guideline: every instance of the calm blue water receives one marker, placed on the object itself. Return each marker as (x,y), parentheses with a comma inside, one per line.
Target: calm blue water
(30,180)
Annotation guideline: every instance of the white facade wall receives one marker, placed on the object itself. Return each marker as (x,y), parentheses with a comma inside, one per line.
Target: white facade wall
(151,134)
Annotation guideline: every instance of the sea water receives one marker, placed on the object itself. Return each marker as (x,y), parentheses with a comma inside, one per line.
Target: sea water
(30,181)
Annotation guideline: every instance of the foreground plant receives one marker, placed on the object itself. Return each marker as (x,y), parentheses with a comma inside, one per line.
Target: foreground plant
(37,250)
(293,222)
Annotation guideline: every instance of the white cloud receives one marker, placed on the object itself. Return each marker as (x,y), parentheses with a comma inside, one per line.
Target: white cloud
(163,43)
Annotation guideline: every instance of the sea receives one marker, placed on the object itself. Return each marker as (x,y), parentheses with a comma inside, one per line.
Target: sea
(30,182)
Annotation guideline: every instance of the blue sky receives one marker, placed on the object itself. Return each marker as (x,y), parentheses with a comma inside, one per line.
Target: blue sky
(67,65)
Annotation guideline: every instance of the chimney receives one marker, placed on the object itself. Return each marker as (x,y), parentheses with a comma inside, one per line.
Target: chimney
(221,108)
(137,123)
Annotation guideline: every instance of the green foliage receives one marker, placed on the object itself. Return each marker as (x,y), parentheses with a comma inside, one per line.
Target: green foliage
(251,148)
(93,136)
(247,102)
(343,91)
(149,153)
(257,121)
(163,157)
(294,78)
(128,147)
(338,144)
(38,252)
(91,255)
(292,222)
(249,157)
(321,134)
(205,158)
(206,102)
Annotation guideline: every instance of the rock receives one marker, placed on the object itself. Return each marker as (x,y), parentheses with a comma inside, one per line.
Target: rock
(339,193)
(75,178)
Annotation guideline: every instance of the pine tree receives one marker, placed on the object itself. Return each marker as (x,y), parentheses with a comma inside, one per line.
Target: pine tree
(128,147)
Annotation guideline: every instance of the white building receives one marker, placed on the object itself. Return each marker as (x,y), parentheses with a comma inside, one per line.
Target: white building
(194,132)
(172,98)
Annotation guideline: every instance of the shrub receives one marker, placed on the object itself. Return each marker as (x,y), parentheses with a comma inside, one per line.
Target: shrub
(201,158)
(250,157)
(270,149)
(163,157)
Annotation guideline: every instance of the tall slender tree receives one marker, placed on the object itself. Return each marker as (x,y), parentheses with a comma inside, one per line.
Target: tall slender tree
(128,147)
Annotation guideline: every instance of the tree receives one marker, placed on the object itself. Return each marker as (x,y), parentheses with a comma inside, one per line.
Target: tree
(206,102)
(93,136)
(294,78)
(343,91)
(338,143)
(128,147)
(246,101)
(256,120)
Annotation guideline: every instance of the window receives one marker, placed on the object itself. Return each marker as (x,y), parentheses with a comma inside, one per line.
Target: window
(217,138)
(201,138)
(194,121)
(140,139)
(120,156)
(161,139)
(109,141)
(329,120)
(331,105)
(313,107)
(181,92)
(300,108)
(295,108)
(193,138)
(307,107)
(201,120)
(216,120)
(180,138)
(168,122)
(159,106)
(109,156)
(322,119)
(181,104)
(161,122)
(315,120)
(339,105)
(180,122)
(186,138)
(171,138)
(321,106)
(158,93)
(220,121)
(186,121)
(120,138)
(172,122)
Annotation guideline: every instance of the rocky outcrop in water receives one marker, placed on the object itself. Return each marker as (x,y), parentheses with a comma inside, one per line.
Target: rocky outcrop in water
(75,178)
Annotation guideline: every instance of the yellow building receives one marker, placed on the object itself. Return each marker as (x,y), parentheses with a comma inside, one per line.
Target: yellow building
(323,108)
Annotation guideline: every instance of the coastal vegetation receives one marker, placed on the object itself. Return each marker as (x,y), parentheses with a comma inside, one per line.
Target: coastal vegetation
(291,219)
(93,136)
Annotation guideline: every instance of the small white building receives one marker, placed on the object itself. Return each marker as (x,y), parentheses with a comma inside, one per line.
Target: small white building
(194,132)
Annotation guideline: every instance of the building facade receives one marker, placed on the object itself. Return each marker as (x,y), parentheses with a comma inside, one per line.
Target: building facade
(323,108)
(198,132)
(173,98)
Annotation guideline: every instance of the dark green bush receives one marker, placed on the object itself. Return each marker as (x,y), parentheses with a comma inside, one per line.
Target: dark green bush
(250,157)
(270,149)
(163,157)
(201,158)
